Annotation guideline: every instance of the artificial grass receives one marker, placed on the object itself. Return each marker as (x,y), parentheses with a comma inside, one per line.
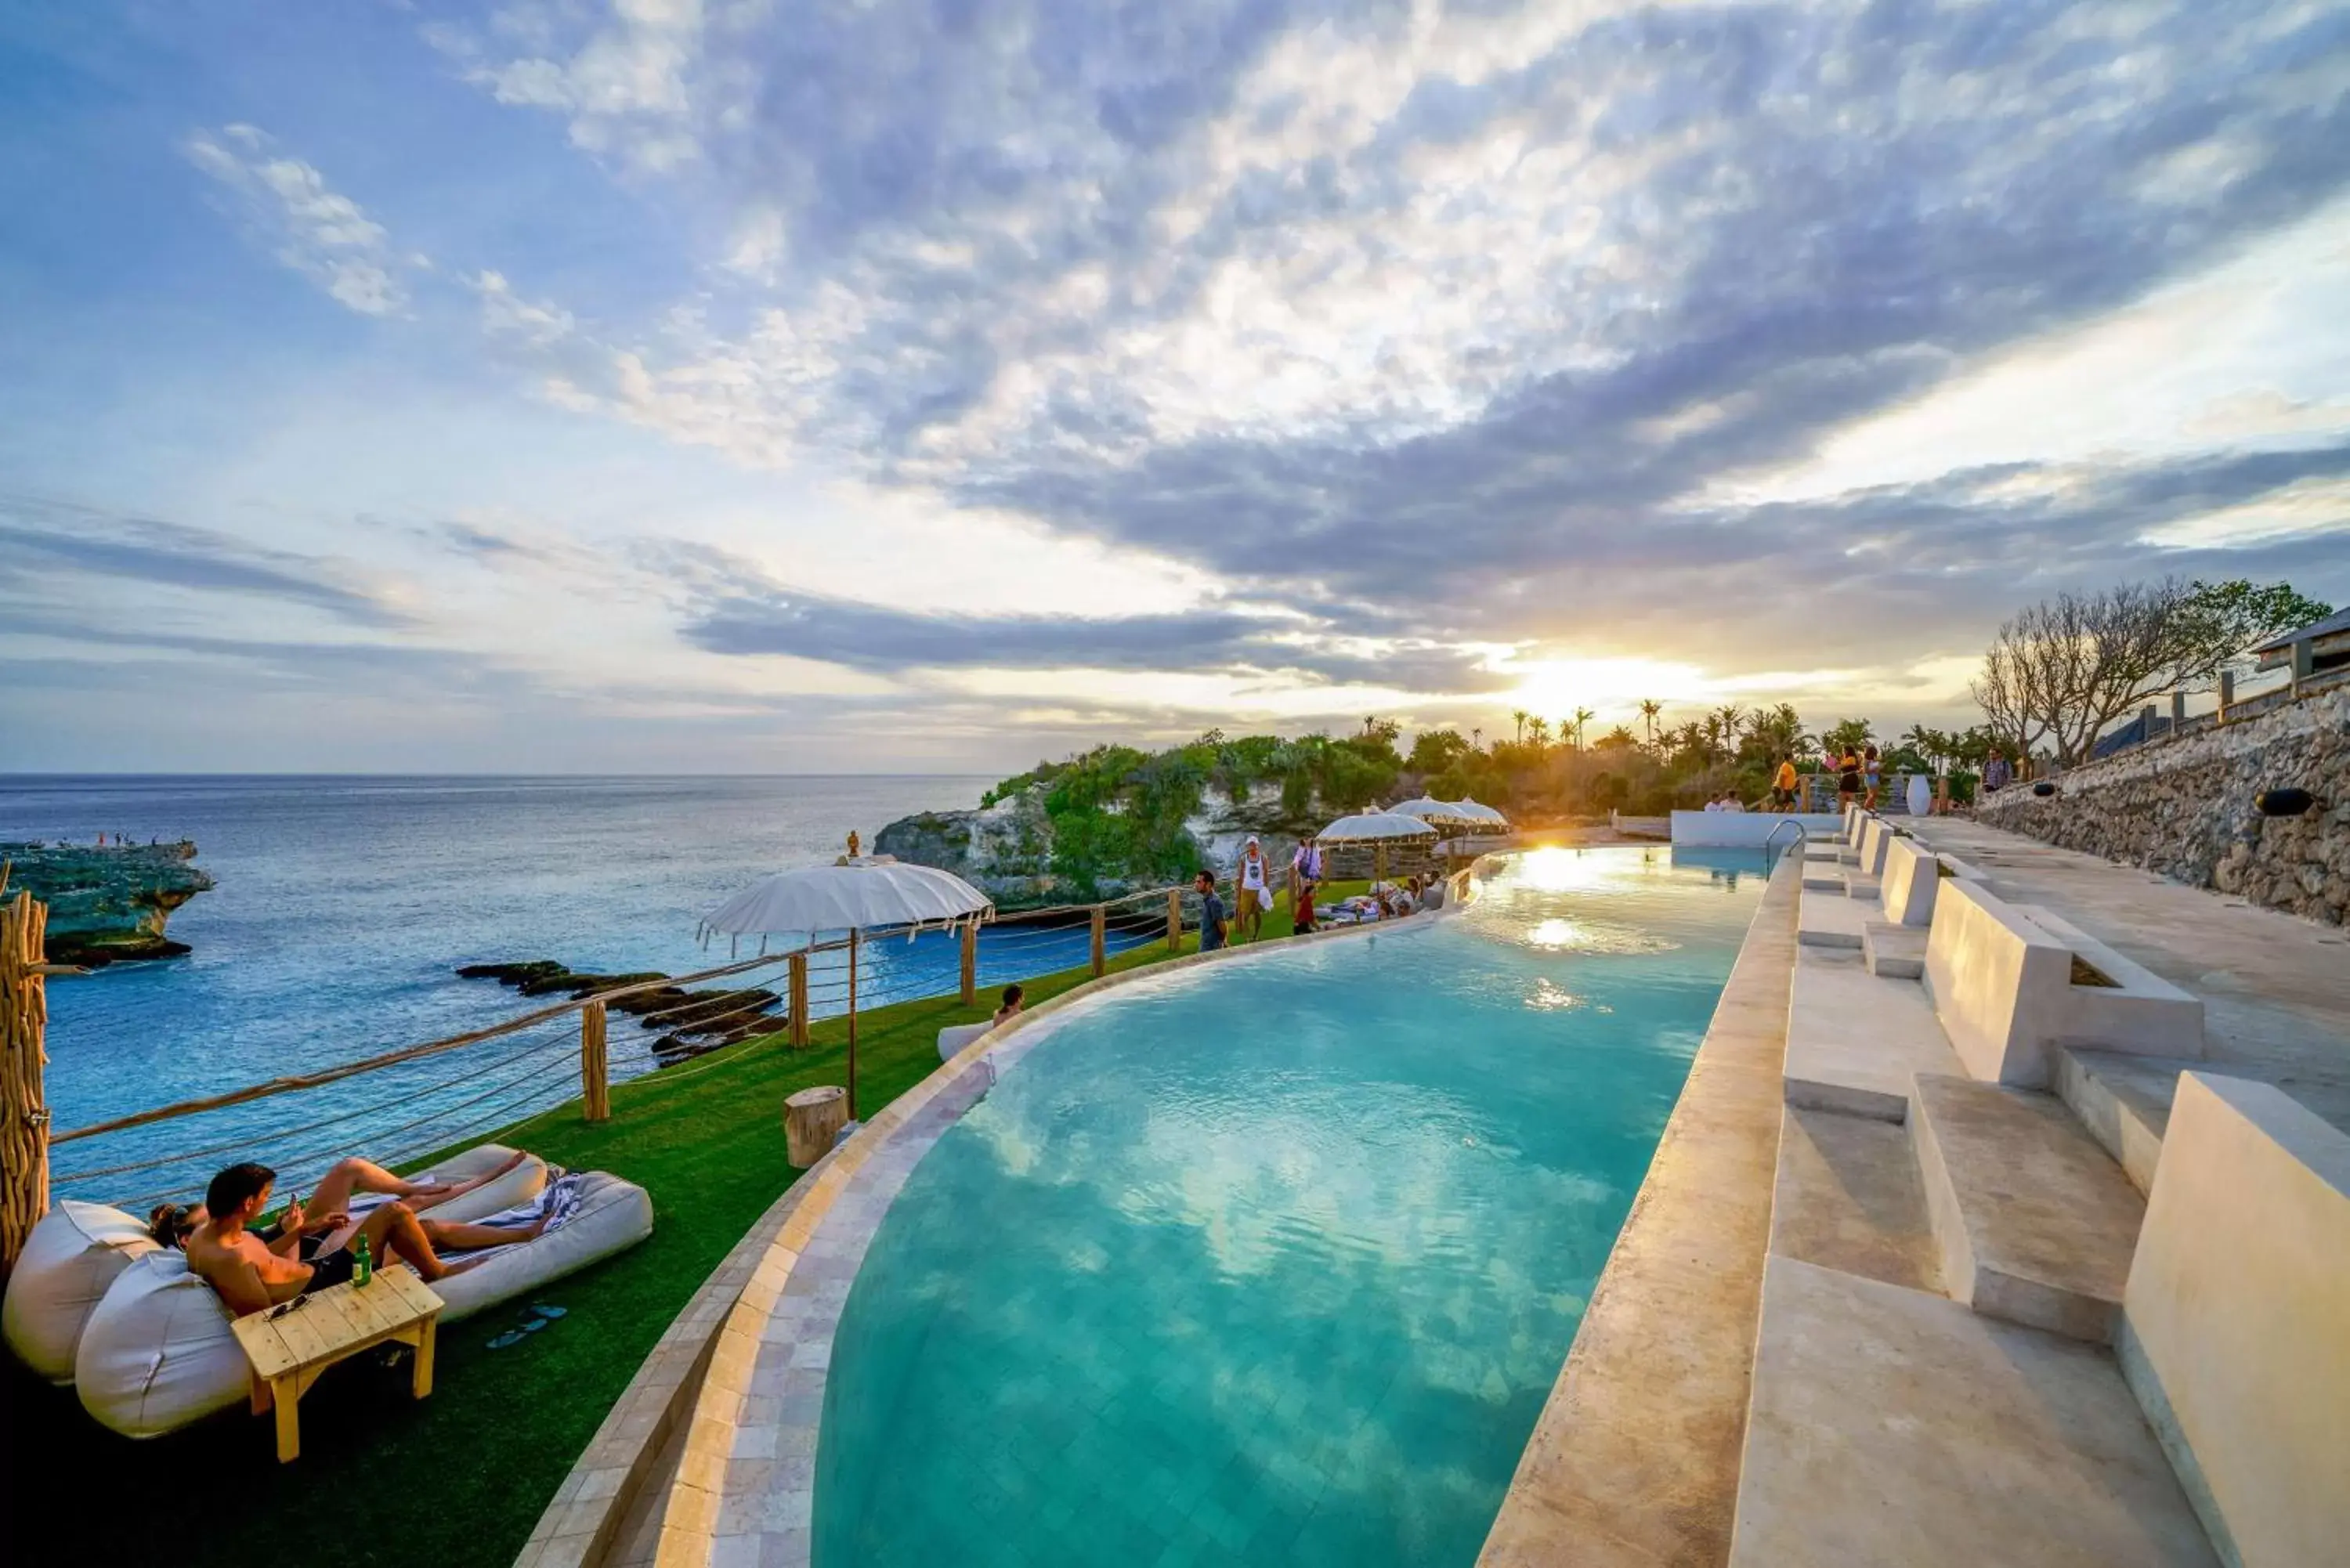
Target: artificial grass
(458,1480)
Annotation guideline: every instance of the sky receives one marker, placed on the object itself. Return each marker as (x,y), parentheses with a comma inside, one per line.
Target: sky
(652,386)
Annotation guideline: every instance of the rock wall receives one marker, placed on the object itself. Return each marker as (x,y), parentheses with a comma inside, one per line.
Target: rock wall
(2184,808)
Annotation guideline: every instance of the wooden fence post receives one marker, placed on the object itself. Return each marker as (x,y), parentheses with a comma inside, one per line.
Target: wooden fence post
(595,1066)
(797,1002)
(1174,919)
(2227,693)
(23,1107)
(1100,952)
(970,964)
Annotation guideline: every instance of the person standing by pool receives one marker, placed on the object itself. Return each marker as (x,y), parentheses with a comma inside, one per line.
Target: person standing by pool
(1212,913)
(1255,884)
(1302,908)
(1873,770)
(1783,787)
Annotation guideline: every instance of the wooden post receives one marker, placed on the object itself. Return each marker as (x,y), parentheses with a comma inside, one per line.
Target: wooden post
(1099,947)
(812,1119)
(1174,919)
(852,1024)
(970,964)
(797,1002)
(1379,864)
(24,1103)
(2227,693)
(595,1069)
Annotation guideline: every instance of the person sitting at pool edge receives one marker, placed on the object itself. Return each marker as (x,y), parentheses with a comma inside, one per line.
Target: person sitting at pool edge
(1012,997)
(1212,913)
(311,1254)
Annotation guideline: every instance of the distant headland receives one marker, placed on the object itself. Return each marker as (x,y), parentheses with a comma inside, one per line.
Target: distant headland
(108,902)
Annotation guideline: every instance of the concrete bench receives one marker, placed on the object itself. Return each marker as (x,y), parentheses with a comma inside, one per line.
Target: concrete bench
(1855,1042)
(2233,1318)
(1824,917)
(2003,984)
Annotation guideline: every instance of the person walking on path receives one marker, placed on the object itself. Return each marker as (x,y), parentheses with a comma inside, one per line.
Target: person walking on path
(1783,787)
(1213,930)
(1872,770)
(1996,774)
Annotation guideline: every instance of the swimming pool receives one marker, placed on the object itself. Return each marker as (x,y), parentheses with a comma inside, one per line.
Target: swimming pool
(1275,1260)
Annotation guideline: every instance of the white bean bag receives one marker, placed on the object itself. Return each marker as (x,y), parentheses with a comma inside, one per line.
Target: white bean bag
(520,1185)
(952,1040)
(613,1215)
(75,1251)
(159,1352)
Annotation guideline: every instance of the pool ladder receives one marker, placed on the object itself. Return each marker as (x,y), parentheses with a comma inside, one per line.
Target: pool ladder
(1802,836)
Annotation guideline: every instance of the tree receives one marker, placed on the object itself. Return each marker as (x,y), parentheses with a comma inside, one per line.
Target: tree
(1540,729)
(2058,673)
(1434,751)
(1582,716)
(2219,622)
(1848,735)
(1618,739)
(1649,708)
(1519,715)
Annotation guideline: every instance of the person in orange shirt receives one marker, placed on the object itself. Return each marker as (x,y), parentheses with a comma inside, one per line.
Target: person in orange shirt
(1783,787)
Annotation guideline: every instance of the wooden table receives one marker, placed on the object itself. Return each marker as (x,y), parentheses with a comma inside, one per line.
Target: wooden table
(289,1349)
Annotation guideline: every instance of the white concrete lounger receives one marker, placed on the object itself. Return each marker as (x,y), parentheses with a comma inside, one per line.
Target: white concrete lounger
(78,1250)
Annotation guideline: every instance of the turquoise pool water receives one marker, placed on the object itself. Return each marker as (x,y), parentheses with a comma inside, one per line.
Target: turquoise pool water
(1274,1262)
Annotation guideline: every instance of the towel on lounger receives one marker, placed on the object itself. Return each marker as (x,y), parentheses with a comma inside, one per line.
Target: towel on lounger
(557,1202)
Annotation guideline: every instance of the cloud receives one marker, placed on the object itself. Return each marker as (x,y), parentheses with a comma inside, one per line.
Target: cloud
(1435,313)
(49,535)
(312,228)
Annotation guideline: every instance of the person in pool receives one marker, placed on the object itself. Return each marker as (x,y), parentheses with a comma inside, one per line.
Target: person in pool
(311,1253)
(1012,997)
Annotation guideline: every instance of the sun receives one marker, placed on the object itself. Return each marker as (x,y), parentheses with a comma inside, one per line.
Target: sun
(1554,688)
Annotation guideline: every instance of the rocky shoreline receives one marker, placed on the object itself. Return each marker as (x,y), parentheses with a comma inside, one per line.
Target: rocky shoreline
(107,903)
(693,1022)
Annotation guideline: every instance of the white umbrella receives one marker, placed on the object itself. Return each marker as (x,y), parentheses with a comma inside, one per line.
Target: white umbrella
(1475,811)
(1430,810)
(851,895)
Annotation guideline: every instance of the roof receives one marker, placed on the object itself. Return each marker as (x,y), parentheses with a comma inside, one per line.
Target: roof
(2335,625)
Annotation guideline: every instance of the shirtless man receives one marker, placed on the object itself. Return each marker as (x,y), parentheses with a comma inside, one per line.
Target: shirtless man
(312,1253)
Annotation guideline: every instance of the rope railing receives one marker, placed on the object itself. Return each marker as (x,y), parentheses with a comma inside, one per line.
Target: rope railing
(1019,945)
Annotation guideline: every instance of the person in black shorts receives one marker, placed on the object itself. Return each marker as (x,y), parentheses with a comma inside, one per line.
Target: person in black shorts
(1847,779)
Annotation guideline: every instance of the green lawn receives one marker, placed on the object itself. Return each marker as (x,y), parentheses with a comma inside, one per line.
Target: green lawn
(460,1478)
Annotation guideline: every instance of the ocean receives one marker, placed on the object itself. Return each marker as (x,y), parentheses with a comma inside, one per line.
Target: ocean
(343,906)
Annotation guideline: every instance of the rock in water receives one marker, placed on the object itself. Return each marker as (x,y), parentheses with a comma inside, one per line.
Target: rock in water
(109,904)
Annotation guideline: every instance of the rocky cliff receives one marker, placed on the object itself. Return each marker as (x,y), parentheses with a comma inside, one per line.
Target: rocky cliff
(107,904)
(2183,807)
(1007,850)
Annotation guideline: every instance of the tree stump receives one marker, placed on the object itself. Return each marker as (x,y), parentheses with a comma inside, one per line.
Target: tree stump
(812,1119)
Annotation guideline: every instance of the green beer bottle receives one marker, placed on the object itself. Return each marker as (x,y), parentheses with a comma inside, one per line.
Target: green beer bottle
(363,1266)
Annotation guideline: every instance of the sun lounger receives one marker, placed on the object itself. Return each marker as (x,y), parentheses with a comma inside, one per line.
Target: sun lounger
(78,1250)
(159,1352)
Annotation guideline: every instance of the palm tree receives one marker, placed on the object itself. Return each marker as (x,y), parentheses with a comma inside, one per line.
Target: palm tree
(1732,716)
(1519,715)
(1540,729)
(1582,716)
(1649,708)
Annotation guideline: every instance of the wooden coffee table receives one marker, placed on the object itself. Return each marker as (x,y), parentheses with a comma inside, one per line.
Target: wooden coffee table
(290,1346)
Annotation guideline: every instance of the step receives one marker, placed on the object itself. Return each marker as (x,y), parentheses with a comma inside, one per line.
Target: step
(1890,1428)
(1826,918)
(2122,1101)
(1870,888)
(1846,1196)
(1824,881)
(1855,1042)
(1893,953)
(2036,1223)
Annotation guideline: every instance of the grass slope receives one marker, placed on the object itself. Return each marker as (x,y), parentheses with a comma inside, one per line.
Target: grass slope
(459,1480)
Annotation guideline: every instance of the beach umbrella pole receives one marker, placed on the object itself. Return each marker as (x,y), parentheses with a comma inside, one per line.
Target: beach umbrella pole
(852,1024)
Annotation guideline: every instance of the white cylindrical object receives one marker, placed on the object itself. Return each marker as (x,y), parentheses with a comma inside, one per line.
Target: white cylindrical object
(1921,795)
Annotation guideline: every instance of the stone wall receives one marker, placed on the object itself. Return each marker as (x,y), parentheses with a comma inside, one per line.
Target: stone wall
(2184,807)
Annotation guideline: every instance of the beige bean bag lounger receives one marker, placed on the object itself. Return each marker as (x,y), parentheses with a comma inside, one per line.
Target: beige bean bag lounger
(78,1250)
(953,1038)
(159,1352)
(75,1252)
